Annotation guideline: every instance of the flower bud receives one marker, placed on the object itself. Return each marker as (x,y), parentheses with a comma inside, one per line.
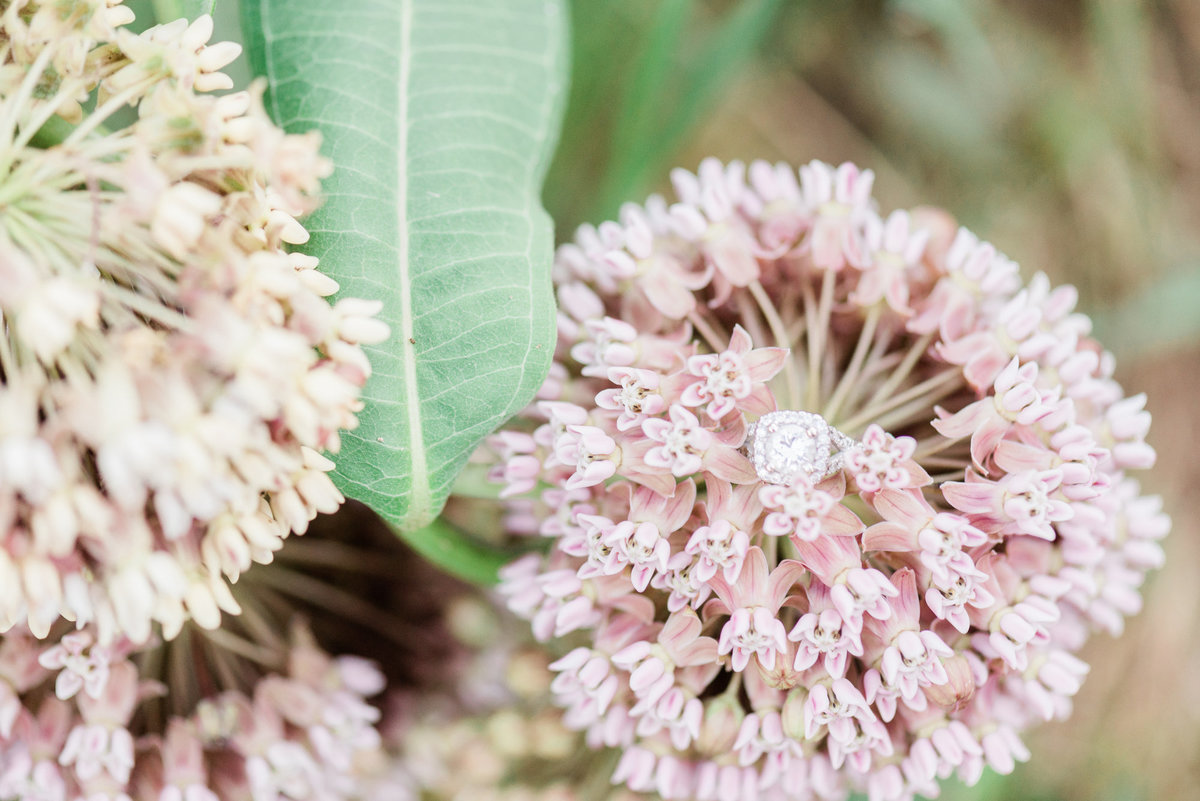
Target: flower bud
(958,689)
(549,740)
(792,713)
(722,721)
(527,674)
(508,734)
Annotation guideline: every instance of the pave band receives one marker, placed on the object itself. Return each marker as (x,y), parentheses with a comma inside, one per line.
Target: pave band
(784,446)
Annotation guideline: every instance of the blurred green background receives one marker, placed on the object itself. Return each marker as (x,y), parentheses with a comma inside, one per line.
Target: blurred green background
(1067,132)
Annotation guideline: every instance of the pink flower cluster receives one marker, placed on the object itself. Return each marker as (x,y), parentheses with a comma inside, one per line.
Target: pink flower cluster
(309,732)
(880,629)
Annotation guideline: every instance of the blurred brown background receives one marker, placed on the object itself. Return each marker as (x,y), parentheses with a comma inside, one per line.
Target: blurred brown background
(1067,132)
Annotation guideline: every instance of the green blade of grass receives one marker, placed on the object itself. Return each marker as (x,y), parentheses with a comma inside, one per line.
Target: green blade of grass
(661,113)
(642,106)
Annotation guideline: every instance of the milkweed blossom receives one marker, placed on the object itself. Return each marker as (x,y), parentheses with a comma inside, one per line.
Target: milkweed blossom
(170,373)
(834,496)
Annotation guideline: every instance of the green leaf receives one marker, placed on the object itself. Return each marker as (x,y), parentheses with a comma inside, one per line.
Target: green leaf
(440,117)
(168,10)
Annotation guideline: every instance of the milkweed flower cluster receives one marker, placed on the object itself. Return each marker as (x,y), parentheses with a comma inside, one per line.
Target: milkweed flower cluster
(308,731)
(876,626)
(169,373)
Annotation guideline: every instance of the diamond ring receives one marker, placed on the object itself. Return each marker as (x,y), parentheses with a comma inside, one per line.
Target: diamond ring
(784,446)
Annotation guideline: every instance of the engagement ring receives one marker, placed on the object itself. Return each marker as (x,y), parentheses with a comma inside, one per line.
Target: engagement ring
(784,446)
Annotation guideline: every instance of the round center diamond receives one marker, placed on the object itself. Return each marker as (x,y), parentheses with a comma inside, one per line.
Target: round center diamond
(787,445)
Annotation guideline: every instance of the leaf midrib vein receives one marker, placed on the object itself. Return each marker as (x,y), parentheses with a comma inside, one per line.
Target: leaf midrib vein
(419,501)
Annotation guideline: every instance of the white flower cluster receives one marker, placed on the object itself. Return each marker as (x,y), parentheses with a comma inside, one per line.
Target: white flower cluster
(169,373)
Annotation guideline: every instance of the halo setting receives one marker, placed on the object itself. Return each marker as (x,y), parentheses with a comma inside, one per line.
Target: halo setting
(787,445)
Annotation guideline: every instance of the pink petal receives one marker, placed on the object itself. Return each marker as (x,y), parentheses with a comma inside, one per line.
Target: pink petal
(656,428)
(782,579)
(966,421)
(828,556)
(662,483)
(986,438)
(679,506)
(906,507)
(907,604)
(889,537)
(978,497)
(703,651)
(726,462)
(763,364)
(760,401)
(752,586)
(841,522)
(740,341)
(666,294)
(734,262)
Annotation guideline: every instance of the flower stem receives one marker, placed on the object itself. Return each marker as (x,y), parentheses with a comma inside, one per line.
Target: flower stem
(751,318)
(8,122)
(927,392)
(97,117)
(917,409)
(714,340)
(330,553)
(816,316)
(771,550)
(932,445)
(779,332)
(181,672)
(335,599)
(224,640)
(915,352)
(865,338)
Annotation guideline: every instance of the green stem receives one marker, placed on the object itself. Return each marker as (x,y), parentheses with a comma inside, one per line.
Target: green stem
(170,10)
(458,553)
(12,108)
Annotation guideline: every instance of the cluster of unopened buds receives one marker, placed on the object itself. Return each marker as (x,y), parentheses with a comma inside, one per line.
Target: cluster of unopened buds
(834,497)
